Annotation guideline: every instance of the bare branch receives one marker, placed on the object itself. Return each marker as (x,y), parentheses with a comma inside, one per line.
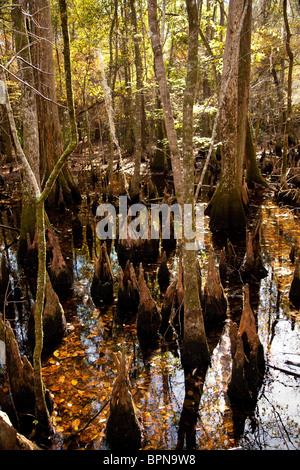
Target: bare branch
(30,86)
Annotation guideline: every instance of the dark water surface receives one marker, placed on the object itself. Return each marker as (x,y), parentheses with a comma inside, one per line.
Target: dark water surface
(81,371)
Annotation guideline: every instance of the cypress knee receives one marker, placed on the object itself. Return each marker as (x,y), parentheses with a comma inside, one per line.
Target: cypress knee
(102,287)
(54,321)
(60,276)
(253,265)
(128,291)
(167,309)
(123,430)
(248,357)
(148,316)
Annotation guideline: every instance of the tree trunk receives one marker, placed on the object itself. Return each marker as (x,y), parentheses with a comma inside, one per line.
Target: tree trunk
(5,134)
(138,105)
(246,150)
(123,430)
(253,174)
(51,144)
(195,351)
(165,98)
(226,208)
(38,200)
(10,439)
(244,65)
(42,413)
(30,128)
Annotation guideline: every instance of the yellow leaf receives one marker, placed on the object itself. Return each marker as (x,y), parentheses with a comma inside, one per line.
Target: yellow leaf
(74,382)
(76,423)
(56,353)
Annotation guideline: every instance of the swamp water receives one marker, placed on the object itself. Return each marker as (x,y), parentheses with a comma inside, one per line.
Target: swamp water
(81,371)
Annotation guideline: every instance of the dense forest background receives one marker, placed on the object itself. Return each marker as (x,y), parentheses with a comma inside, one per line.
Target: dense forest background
(161,101)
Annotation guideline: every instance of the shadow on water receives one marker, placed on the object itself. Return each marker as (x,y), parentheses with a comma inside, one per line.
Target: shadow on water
(177,409)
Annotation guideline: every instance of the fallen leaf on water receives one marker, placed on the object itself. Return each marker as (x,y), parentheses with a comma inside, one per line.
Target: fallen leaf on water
(76,423)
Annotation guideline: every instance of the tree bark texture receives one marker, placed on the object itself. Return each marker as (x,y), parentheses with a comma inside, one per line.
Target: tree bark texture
(289,94)
(253,174)
(195,349)
(138,104)
(165,98)
(226,207)
(30,126)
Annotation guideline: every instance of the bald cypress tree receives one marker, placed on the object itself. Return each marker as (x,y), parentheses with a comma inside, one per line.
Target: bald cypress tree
(226,207)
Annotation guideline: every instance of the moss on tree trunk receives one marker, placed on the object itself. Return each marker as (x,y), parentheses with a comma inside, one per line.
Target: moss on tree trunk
(195,352)
(226,210)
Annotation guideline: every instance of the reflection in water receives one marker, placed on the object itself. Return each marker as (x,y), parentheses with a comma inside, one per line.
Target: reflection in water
(176,410)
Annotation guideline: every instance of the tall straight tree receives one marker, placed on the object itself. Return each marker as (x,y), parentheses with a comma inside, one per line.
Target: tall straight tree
(51,142)
(30,125)
(195,352)
(44,426)
(138,103)
(195,349)
(245,142)
(226,207)
(289,94)
(165,98)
